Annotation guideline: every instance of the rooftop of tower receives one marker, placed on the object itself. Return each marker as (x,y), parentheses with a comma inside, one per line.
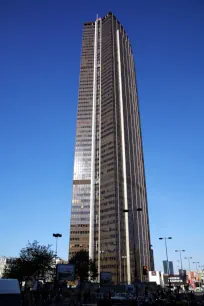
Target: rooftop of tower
(106,16)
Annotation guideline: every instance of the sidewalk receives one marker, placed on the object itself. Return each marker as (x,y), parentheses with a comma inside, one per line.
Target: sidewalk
(72,303)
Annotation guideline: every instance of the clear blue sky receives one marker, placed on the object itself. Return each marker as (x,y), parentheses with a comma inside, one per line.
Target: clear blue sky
(39,74)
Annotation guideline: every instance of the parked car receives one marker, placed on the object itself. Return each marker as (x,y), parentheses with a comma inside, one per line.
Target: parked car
(10,292)
(99,296)
(199,289)
(119,298)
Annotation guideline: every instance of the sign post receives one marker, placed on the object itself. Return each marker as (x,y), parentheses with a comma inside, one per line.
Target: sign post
(106,278)
(65,272)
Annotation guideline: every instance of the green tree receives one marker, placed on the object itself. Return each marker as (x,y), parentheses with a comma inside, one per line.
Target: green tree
(16,269)
(34,261)
(85,267)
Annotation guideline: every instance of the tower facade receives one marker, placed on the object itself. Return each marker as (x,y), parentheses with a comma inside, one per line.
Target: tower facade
(109,216)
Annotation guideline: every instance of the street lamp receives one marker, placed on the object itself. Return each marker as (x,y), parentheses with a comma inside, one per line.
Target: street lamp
(201,274)
(167,259)
(180,251)
(196,263)
(189,263)
(201,267)
(178,265)
(57,235)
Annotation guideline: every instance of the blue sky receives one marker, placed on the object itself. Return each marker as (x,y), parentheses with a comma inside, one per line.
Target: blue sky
(39,75)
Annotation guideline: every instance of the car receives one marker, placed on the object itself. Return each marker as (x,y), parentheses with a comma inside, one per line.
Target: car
(99,296)
(10,293)
(199,289)
(131,296)
(119,298)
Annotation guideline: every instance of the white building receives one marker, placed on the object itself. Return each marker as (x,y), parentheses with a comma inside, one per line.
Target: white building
(157,277)
(4,261)
(2,265)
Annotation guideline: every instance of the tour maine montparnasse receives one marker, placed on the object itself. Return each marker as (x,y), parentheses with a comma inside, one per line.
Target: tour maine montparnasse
(109,216)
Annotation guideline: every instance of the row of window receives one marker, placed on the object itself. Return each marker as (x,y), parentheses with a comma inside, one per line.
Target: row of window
(84,127)
(107,223)
(109,258)
(108,203)
(79,232)
(75,221)
(107,209)
(84,108)
(80,212)
(80,225)
(85,100)
(78,245)
(81,117)
(108,266)
(83,135)
(107,134)
(108,216)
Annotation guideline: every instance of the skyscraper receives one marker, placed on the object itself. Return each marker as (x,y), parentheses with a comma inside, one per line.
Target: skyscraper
(109,215)
(171,267)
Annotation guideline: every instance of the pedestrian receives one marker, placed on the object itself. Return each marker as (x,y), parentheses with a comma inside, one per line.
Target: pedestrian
(106,301)
(85,296)
(192,296)
(26,298)
(58,297)
(89,296)
(79,296)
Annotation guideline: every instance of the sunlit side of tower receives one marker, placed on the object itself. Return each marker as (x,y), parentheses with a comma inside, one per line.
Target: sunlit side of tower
(109,215)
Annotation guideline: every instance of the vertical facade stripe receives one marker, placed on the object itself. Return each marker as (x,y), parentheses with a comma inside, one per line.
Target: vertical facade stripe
(92,193)
(137,204)
(124,162)
(99,202)
(119,276)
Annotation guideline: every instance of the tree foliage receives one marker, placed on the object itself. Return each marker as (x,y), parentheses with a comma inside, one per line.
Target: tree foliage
(34,261)
(85,267)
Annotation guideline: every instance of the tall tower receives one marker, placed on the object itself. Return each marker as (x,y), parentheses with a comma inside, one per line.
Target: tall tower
(109,216)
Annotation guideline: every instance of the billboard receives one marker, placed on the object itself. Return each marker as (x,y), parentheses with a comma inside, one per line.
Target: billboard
(173,280)
(65,272)
(106,278)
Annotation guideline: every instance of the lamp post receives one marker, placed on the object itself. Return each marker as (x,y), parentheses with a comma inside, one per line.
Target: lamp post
(180,251)
(178,265)
(196,263)
(167,259)
(201,274)
(189,263)
(201,267)
(57,235)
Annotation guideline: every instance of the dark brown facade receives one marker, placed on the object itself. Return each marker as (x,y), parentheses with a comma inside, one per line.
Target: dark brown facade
(109,214)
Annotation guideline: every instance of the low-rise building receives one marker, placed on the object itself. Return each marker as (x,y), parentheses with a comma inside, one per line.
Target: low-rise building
(157,277)
(5,262)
